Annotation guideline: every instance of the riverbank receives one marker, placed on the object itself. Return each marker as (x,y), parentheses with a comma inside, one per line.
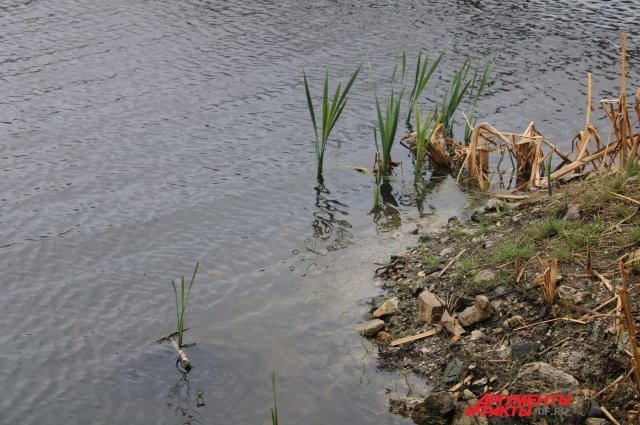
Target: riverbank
(479,306)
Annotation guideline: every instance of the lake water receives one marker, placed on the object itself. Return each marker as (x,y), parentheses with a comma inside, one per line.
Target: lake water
(138,137)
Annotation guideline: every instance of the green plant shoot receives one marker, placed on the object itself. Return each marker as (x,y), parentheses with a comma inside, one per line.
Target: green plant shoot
(182,300)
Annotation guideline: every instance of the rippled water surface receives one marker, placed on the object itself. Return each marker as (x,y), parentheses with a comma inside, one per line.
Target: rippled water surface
(138,137)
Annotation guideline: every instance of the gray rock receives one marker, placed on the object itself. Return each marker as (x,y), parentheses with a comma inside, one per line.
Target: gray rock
(540,377)
(445,252)
(454,369)
(522,350)
(484,276)
(440,403)
(370,327)
(493,205)
(476,335)
(390,306)
(573,212)
(459,417)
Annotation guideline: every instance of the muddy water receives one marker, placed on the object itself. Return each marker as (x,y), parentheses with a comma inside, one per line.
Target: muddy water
(141,137)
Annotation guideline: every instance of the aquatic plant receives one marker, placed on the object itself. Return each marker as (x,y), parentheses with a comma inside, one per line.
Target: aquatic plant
(482,83)
(424,131)
(274,409)
(182,300)
(453,97)
(423,74)
(388,123)
(332,107)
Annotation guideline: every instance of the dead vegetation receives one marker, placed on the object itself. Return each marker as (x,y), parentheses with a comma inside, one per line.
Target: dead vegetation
(516,161)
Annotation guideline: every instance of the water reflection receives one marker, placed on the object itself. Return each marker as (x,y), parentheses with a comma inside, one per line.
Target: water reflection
(385,211)
(331,231)
(425,187)
(180,402)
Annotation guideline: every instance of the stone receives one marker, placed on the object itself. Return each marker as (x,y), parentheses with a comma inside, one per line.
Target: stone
(459,417)
(478,216)
(451,324)
(476,335)
(468,395)
(390,306)
(566,293)
(480,311)
(540,377)
(493,205)
(522,350)
(421,274)
(445,252)
(433,409)
(430,307)
(573,212)
(369,328)
(484,276)
(514,322)
(453,370)
(383,337)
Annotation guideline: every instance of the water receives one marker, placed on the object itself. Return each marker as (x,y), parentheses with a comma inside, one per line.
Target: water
(141,137)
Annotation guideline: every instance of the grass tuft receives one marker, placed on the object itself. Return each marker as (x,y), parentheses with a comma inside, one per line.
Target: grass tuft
(182,301)
(547,228)
(423,75)
(388,123)
(515,250)
(331,110)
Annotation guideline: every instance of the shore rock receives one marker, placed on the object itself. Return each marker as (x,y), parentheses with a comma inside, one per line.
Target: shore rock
(484,276)
(573,212)
(540,377)
(390,306)
(430,307)
(432,410)
(451,324)
(480,311)
(370,327)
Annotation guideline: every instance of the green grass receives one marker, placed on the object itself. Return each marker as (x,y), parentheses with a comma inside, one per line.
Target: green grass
(580,236)
(388,124)
(633,236)
(424,131)
(423,75)
(481,84)
(453,97)
(468,264)
(546,228)
(182,300)
(431,260)
(515,250)
(332,108)
(563,253)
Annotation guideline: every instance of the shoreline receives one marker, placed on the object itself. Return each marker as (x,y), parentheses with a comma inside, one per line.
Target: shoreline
(469,309)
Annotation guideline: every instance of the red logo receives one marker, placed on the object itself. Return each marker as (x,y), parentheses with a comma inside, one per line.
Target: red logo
(522,405)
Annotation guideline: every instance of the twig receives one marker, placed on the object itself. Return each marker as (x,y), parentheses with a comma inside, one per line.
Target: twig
(186,363)
(546,350)
(608,415)
(625,198)
(412,338)
(453,260)
(549,321)
(612,384)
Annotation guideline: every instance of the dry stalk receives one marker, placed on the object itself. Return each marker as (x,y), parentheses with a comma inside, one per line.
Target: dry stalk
(630,323)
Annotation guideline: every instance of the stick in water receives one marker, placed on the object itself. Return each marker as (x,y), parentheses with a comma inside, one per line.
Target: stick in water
(186,363)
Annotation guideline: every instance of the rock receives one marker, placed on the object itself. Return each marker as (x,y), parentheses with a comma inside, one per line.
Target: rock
(484,276)
(540,377)
(390,306)
(370,327)
(597,421)
(478,216)
(566,293)
(453,370)
(570,361)
(430,307)
(377,301)
(383,337)
(480,311)
(476,335)
(468,395)
(421,274)
(594,409)
(451,324)
(522,350)
(579,297)
(434,409)
(493,205)
(459,417)
(573,212)
(445,252)
(514,322)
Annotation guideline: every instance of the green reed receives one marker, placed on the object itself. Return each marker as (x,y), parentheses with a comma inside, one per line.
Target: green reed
(453,97)
(388,123)
(482,83)
(424,131)
(423,74)
(182,300)
(332,107)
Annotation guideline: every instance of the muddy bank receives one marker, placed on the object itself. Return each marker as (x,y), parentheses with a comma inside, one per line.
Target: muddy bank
(466,308)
